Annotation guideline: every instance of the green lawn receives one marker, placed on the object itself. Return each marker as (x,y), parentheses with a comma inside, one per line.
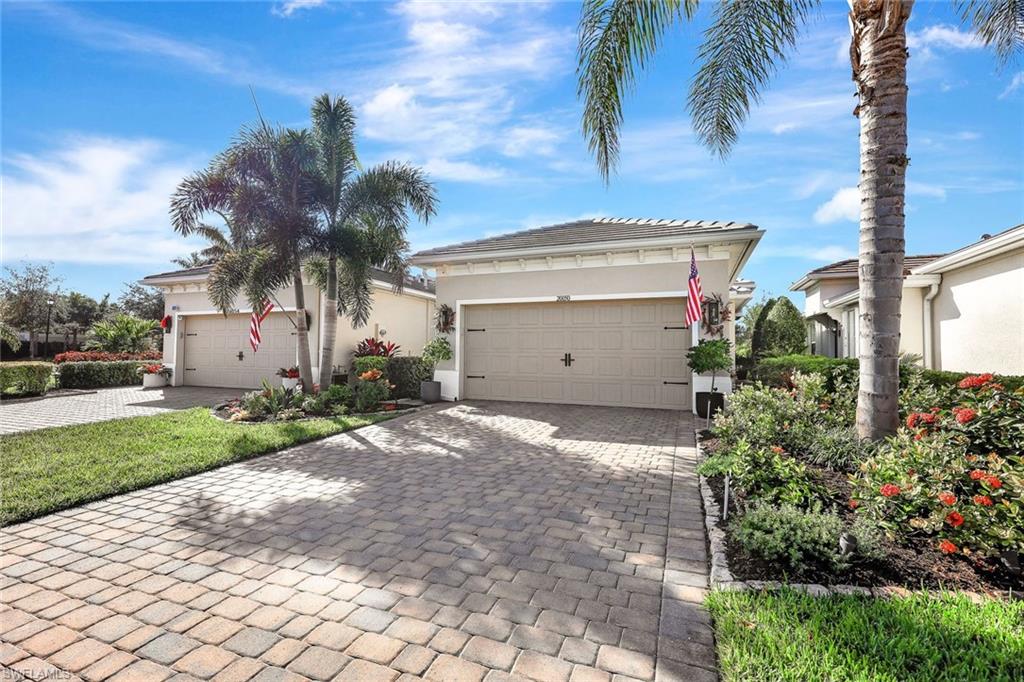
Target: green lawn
(790,636)
(52,469)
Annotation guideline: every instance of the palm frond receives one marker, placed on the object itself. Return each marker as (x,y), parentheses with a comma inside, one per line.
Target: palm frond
(202,192)
(999,24)
(616,37)
(334,123)
(227,279)
(742,49)
(355,291)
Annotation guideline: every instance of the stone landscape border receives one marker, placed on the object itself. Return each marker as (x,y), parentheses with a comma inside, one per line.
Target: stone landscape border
(396,413)
(721,576)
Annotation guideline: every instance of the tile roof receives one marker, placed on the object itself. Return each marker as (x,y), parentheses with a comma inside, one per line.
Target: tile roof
(589,231)
(423,284)
(849,266)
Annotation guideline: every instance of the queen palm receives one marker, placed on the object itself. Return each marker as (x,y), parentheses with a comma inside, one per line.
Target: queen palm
(362,219)
(263,188)
(745,42)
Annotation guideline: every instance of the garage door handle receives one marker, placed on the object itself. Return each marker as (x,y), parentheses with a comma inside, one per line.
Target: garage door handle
(475,376)
(190,369)
(676,327)
(677,383)
(476,330)
(192,334)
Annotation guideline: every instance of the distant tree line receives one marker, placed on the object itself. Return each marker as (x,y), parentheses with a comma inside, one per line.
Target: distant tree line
(25,296)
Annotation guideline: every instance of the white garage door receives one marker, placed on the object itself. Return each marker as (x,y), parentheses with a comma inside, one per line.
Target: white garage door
(623,353)
(217,350)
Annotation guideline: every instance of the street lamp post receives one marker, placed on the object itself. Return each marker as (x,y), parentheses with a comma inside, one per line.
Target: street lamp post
(46,342)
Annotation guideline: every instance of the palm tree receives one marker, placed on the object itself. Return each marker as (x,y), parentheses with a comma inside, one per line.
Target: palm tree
(262,187)
(195,259)
(362,220)
(743,46)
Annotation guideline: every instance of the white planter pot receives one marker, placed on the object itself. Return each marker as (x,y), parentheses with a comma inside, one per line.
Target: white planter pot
(154,381)
(289,383)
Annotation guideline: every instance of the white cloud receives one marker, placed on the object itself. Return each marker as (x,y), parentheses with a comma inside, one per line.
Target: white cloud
(828,253)
(116,36)
(943,36)
(805,107)
(290,7)
(462,171)
(925,189)
(1016,83)
(528,140)
(93,200)
(442,36)
(844,205)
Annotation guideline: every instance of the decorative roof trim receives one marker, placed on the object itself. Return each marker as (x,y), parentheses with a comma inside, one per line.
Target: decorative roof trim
(972,253)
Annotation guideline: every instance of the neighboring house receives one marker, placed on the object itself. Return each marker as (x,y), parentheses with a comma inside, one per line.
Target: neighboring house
(211,349)
(962,311)
(588,312)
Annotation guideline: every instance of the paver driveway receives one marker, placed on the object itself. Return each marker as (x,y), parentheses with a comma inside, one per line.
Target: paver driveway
(470,541)
(105,404)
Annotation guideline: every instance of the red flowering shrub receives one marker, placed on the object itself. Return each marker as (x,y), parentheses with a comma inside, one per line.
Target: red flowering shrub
(928,487)
(975,381)
(947,547)
(103,356)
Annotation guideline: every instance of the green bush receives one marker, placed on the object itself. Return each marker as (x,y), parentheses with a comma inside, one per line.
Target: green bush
(368,363)
(369,394)
(762,474)
(837,447)
(406,372)
(803,538)
(338,395)
(100,374)
(25,378)
(776,371)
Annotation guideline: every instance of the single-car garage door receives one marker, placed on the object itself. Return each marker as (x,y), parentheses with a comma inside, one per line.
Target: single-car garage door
(620,353)
(217,350)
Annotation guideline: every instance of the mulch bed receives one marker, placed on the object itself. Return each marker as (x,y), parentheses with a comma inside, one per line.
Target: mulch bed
(915,564)
(223,412)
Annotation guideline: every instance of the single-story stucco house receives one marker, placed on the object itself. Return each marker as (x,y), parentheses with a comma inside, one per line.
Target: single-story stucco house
(588,312)
(207,348)
(962,311)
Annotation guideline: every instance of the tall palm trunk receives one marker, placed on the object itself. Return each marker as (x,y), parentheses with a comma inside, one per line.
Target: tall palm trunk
(329,325)
(302,331)
(879,58)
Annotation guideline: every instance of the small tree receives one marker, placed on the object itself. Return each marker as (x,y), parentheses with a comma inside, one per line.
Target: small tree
(123,334)
(710,355)
(759,335)
(25,293)
(141,301)
(437,350)
(787,331)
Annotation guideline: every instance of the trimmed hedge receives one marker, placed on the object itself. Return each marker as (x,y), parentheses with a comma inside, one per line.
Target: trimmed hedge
(100,374)
(775,371)
(406,372)
(25,378)
(366,363)
(103,356)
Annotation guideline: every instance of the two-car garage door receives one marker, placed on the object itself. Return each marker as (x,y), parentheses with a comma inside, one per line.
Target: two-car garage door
(619,353)
(217,351)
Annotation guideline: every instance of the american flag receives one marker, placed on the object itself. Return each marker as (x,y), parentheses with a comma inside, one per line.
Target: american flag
(256,321)
(696,296)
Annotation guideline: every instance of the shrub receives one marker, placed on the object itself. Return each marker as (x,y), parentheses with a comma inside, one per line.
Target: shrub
(373,347)
(406,372)
(710,355)
(99,374)
(369,394)
(437,350)
(803,538)
(338,395)
(124,333)
(363,364)
(930,485)
(762,474)
(25,378)
(102,356)
(837,447)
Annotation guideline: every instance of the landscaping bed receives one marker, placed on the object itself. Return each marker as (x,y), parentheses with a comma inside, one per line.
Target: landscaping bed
(938,506)
(52,469)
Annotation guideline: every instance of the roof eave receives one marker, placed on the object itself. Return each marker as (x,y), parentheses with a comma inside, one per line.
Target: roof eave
(993,246)
(744,234)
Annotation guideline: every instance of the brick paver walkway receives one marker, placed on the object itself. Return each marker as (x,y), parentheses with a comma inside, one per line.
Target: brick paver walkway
(478,540)
(105,404)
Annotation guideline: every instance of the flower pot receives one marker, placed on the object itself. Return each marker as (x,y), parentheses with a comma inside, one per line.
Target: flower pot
(707,400)
(289,383)
(430,391)
(154,381)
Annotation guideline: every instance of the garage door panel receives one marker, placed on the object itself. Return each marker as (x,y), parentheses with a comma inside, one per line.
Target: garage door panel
(213,343)
(622,353)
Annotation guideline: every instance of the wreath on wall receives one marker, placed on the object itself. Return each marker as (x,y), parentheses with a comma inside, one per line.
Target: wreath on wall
(724,315)
(445,319)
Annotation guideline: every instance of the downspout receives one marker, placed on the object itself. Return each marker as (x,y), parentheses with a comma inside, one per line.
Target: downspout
(933,291)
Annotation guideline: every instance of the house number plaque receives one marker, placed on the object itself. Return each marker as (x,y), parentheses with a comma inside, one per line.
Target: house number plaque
(564,298)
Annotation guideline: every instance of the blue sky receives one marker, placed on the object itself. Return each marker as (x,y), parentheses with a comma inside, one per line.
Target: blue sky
(106,106)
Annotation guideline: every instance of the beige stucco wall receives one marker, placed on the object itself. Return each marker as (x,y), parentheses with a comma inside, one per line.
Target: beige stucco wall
(978,317)
(404,319)
(912,321)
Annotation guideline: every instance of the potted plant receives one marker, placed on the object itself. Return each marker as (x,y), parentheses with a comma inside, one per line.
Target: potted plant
(289,377)
(154,376)
(438,350)
(710,355)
